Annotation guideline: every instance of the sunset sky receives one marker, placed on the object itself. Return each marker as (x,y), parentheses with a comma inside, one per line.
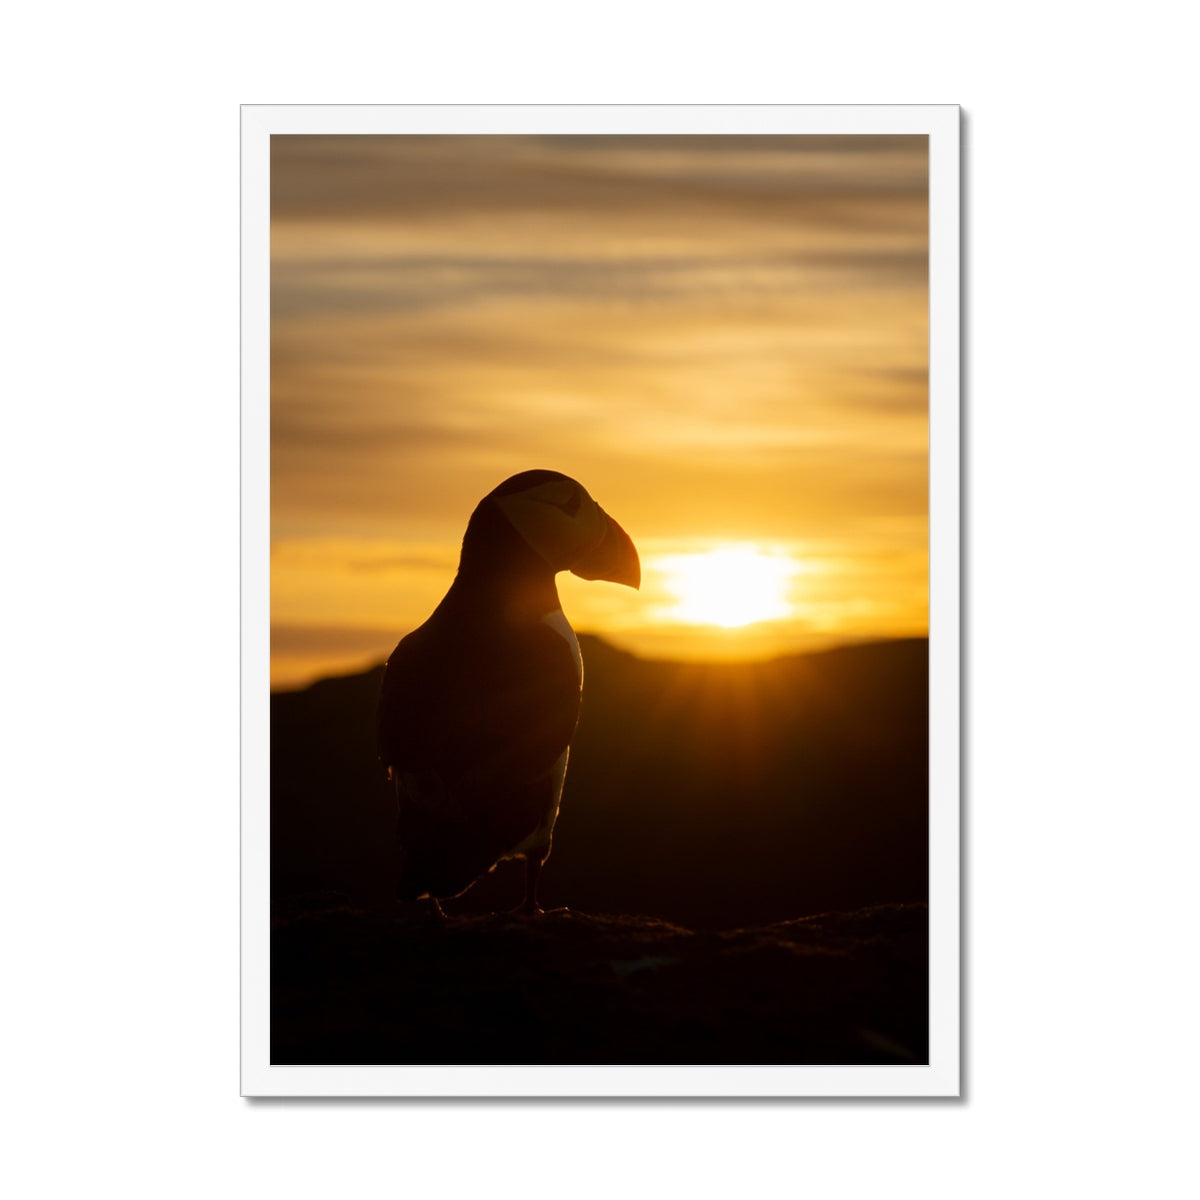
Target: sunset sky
(724,339)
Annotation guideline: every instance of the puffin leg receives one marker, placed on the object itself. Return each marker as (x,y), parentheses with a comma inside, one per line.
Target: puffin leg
(533,868)
(420,908)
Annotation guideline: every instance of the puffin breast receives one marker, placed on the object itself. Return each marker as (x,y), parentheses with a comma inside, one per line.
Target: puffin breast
(558,622)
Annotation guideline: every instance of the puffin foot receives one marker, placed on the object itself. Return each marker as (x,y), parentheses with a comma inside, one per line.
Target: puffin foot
(529,907)
(426,908)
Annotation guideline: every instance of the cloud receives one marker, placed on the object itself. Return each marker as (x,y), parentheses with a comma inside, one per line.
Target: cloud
(411,178)
(401,562)
(330,639)
(411,283)
(722,336)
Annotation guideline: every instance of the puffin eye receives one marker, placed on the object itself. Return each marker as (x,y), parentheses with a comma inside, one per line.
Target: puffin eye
(570,506)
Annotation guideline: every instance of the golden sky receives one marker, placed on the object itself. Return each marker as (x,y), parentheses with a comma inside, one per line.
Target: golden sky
(724,339)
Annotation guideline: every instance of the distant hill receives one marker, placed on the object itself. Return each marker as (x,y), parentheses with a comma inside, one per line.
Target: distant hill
(712,795)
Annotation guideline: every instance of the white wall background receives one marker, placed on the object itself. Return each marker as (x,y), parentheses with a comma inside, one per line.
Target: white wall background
(118,465)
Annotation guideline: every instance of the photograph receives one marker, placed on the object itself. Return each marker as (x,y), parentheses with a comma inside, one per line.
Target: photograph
(599,595)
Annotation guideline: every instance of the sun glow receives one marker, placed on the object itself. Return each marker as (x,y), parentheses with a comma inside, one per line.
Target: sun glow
(730,586)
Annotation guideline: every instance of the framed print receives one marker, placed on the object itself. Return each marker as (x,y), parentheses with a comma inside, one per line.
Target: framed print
(600,587)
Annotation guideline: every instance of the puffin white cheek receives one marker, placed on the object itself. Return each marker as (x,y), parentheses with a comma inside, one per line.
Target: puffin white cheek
(545,528)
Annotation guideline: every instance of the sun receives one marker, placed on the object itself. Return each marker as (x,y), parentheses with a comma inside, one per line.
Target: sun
(730,586)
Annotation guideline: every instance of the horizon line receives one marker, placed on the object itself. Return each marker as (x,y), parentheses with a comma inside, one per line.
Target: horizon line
(850,644)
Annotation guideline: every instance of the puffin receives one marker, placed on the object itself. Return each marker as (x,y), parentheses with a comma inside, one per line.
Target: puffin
(478,705)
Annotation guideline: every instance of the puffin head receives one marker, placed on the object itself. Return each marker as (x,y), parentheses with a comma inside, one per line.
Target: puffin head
(557,519)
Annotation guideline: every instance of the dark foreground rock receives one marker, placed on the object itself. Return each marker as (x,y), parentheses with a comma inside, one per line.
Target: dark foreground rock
(567,988)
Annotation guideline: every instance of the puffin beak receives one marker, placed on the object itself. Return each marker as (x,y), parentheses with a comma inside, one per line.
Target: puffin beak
(613,558)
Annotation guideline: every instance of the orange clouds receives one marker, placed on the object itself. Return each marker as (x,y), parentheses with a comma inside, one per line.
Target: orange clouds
(720,337)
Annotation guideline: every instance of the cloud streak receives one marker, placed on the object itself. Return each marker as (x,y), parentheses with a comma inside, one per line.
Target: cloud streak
(718,336)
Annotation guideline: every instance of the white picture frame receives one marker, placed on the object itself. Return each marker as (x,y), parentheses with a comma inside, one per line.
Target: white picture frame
(941,1076)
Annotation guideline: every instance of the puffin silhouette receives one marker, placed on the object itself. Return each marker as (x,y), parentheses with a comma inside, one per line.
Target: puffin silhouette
(478,705)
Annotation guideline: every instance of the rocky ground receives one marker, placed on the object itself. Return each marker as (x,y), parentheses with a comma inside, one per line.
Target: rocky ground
(349,987)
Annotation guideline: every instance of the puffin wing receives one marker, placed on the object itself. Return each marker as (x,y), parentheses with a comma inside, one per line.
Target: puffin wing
(473,724)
